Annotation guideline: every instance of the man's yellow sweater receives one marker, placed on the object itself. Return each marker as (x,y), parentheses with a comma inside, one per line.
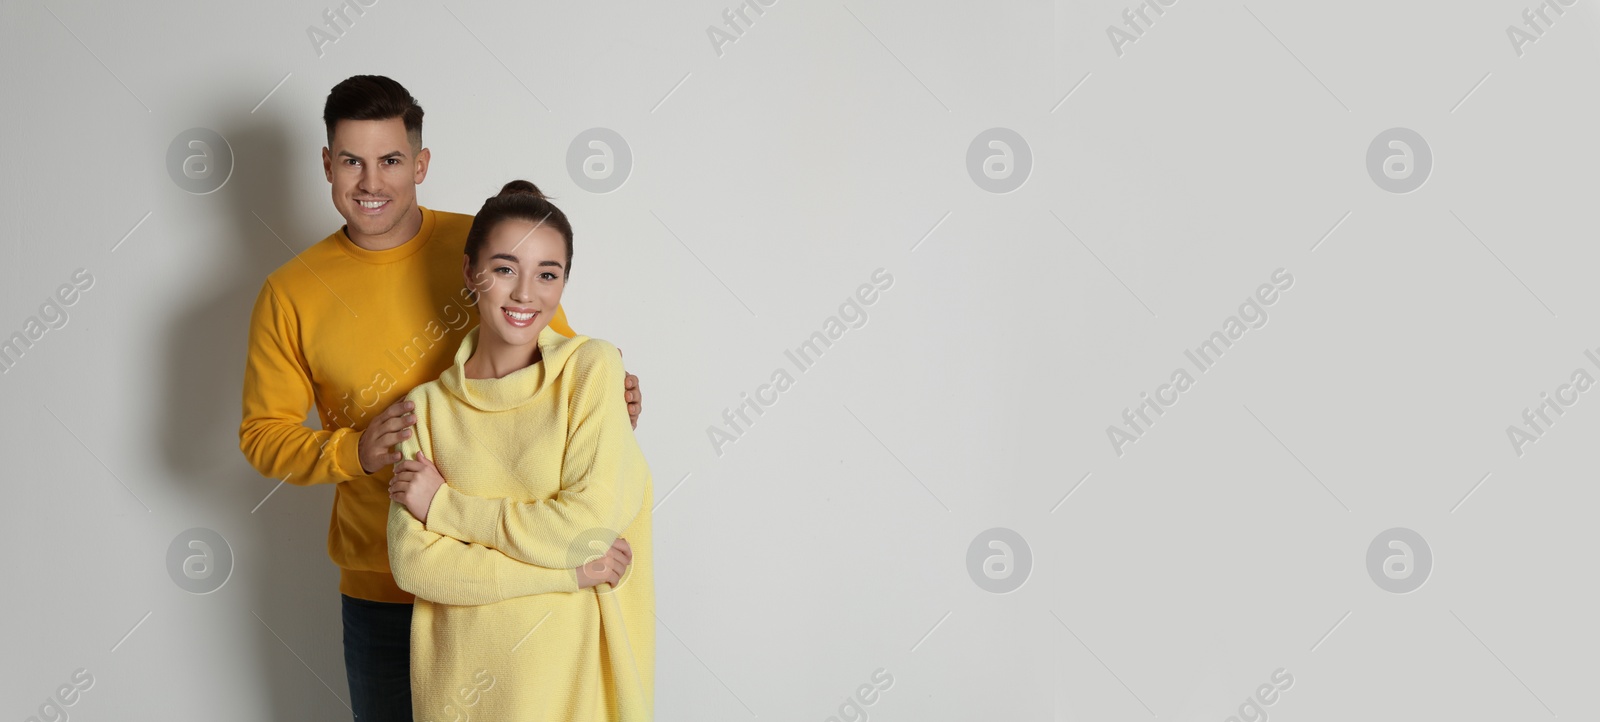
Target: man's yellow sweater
(542,472)
(352,331)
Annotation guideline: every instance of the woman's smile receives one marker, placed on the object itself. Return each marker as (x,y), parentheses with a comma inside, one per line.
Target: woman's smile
(518,316)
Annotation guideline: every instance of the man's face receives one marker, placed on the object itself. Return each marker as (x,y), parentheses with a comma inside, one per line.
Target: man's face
(374,171)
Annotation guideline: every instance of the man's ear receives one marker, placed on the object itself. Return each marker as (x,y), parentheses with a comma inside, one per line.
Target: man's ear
(327,163)
(423,158)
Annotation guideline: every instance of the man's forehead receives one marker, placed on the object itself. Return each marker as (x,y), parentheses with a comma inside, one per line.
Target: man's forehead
(389,131)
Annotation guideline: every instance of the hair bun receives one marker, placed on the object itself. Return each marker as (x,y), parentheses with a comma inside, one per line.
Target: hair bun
(521,187)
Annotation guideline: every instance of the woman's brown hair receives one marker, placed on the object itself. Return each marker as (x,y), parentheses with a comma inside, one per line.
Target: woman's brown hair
(519,200)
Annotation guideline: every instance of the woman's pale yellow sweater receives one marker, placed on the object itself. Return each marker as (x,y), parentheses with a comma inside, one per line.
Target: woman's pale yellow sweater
(542,472)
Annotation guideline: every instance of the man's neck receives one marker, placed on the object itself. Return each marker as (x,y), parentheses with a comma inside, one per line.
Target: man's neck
(394,238)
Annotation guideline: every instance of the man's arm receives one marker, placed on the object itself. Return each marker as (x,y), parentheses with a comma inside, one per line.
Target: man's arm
(277,397)
(603,480)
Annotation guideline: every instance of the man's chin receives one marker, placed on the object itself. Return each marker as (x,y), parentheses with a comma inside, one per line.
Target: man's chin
(371,225)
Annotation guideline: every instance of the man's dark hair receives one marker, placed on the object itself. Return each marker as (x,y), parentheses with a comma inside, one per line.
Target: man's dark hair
(373,97)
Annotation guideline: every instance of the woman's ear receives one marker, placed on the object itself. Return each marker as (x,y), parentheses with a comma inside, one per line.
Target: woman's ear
(466,278)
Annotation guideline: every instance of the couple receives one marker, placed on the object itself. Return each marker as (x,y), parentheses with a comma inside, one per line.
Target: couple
(492,522)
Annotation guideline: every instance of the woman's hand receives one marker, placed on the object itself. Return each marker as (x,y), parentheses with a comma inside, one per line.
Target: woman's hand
(414,484)
(608,568)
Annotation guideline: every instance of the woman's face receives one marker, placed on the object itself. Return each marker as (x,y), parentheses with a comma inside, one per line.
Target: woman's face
(520,274)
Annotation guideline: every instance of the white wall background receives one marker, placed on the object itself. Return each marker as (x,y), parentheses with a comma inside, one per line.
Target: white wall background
(833,538)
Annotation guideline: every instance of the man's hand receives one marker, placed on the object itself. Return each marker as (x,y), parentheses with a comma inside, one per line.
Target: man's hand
(630,391)
(609,568)
(386,430)
(414,484)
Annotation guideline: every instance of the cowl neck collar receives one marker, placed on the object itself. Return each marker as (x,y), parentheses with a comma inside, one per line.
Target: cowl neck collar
(517,388)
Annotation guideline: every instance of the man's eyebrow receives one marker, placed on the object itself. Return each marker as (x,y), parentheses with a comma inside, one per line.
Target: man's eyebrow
(390,154)
(513,259)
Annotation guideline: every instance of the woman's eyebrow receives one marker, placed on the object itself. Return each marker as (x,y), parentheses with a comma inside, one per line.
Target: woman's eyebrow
(513,259)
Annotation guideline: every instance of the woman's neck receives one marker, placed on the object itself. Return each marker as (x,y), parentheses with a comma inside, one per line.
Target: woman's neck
(494,358)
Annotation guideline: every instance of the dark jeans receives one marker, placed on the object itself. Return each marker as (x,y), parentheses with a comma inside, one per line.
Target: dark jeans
(377,659)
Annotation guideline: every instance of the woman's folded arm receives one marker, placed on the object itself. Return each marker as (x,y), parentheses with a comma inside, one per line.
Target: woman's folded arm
(450,571)
(603,480)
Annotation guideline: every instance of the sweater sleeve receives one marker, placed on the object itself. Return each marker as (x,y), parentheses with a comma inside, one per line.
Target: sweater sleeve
(277,397)
(603,480)
(558,321)
(449,571)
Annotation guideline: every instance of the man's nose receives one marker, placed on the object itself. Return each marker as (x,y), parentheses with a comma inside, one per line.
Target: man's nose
(371,181)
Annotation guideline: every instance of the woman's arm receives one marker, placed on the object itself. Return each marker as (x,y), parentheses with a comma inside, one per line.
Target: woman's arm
(603,480)
(449,571)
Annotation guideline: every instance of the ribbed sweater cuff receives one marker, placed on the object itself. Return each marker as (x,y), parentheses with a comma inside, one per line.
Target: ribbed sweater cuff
(347,453)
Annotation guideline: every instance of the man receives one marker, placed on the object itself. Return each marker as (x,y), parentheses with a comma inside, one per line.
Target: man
(353,323)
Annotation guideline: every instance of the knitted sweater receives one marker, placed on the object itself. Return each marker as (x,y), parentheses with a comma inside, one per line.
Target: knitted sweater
(542,472)
(351,331)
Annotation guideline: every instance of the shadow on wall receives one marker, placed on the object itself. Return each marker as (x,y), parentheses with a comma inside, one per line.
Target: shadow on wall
(283,584)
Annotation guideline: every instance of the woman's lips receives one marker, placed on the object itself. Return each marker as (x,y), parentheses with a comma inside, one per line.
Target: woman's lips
(530,317)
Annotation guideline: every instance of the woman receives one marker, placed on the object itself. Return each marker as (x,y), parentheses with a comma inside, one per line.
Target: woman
(531,431)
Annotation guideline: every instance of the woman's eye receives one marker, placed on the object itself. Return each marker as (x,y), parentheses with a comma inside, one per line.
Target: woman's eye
(548,276)
(502,268)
